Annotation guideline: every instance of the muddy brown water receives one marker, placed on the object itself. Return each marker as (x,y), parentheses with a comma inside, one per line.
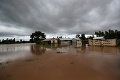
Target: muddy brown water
(34,62)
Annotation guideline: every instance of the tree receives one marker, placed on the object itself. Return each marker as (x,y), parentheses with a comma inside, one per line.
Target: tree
(21,40)
(77,36)
(97,34)
(37,37)
(118,37)
(110,34)
(3,40)
(90,37)
(32,37)
(83,37)
(14,40)
(60,37)
(116,34)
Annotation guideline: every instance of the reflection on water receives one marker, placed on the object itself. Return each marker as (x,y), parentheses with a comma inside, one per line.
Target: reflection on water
(85,63)
(13,48)
(105,50)
(37,49)
(15,51)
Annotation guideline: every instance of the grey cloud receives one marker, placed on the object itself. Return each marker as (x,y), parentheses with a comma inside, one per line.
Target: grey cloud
(60,16)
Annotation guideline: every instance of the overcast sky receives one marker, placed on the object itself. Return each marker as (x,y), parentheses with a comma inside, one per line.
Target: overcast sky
(20,18)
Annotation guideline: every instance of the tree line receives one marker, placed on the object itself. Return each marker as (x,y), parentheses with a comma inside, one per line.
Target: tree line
(38,36)
(110,34)
(7,41)
(12,41)
(35,37)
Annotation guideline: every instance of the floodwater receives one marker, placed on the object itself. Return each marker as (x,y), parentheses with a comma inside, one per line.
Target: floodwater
(35,62)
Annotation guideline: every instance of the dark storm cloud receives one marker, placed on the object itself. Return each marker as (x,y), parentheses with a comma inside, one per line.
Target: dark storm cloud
(58,16)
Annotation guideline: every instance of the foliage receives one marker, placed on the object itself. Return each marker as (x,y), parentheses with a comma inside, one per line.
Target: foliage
(110,34)
(90,37)
(83,37)
(59,37)
(37,37)
(7,41)
(12,41)
(77,36)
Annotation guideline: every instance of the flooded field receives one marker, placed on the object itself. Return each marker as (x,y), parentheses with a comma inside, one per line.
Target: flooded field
(34,62)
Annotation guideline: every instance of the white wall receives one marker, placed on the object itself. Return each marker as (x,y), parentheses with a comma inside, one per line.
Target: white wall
(54,40)
(107,42)
(76,43)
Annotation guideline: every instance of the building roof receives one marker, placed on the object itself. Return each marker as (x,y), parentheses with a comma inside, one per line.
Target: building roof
(65,39)
(77,38)
(98,38)
(47,39)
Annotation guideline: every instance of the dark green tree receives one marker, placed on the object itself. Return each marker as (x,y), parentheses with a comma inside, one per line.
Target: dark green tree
(118,35)
(14,40)
(97,34)
(106,35)
(110,34)
(60,37)
(83,37)
(3,41)
(32,37)
(90,37)
(77,36)
(37,37)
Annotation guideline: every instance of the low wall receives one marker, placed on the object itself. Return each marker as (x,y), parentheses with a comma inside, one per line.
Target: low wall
(107,42)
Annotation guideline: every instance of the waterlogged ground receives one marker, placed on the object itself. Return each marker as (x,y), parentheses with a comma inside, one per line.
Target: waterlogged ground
(33,62)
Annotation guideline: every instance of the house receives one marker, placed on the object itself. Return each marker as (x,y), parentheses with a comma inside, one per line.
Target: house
(65,41)
(96,40)
(51,41)
(106,42)
(76,42)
